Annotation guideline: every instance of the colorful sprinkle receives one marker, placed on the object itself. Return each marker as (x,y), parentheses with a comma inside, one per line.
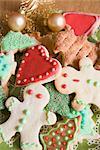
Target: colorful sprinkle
(39,96)
(76,80)
(30,91)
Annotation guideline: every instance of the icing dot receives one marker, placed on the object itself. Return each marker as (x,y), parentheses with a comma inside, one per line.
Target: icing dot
(65,75)
(30,91)
(39,47)
(54,145)
(47,73)
(63,134)
(89,81)
(73,128)
(40,76)
(61,129)
(53,69)
(25,80)
(18,128)
(59,143)
(46,138)
(43,54)
(58,137)
(66,138)
(23,61)
(70,136)
(57,132)
(42,50)
(20,69)
(56,149)
(53,133)
(23,120)
(19,81)
(32,79)
(26,112)
(50,60)
(50,143)
(32,48)
(53,140)
(54,63)
(26,54)
(70,125)
(18,75)
(64,143)
(69,131)
(65,126)
(64,86)
(61,148)
(47,58)
(39,96)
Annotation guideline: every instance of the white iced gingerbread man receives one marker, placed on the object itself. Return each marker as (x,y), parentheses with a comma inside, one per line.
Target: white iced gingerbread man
(27,117)
(85,83)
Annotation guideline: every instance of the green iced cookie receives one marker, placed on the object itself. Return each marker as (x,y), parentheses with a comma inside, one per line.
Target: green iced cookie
(14,41)
(58,103)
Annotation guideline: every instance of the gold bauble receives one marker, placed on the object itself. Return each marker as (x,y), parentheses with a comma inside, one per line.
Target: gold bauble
(16,22)
(56,22)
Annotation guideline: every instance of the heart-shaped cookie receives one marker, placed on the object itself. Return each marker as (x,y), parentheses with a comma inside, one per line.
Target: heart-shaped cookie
(82,23)
(37,66)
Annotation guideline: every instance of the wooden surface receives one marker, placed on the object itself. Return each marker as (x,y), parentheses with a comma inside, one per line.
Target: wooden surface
(92,6)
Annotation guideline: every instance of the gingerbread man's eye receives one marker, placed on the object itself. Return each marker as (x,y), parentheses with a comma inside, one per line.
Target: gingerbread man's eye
(30,91)
(64,86)
(64,75)
(39,96)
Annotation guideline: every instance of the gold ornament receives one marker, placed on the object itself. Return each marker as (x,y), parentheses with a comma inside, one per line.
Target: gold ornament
(17,22)
(56,22)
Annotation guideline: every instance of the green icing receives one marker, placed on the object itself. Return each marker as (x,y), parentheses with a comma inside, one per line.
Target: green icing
(2,98)
(58,103)
(17,41)
(5,65)
(95,37)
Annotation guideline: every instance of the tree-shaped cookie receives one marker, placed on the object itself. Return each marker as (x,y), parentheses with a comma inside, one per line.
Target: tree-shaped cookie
(62,136)
(14,41)
(7,67)
(37,67)
(58,103)
(27,117)
(85,83)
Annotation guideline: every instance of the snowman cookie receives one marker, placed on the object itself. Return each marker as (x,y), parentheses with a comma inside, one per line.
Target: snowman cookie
(7,67)
(85,83)
(27,117)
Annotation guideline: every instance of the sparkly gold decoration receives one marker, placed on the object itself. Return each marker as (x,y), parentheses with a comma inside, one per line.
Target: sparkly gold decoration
(56,22)
(16,22)
(37,14)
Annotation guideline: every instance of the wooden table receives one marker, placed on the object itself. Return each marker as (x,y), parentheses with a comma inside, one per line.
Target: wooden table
(68,5)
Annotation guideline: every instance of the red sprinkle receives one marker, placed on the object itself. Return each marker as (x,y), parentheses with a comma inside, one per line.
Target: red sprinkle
(30,91)
(64,143)
(73,128)
(46,138)
(63,134)
(57,132)
(54,145)
(64,86)
(65,75)
(76,80)
(65,126)
(61,148)
(53,140)
(70,136)
(39,96)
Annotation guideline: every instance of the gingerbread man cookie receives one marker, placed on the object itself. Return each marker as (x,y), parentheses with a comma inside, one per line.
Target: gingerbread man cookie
(37,67)
(7,67)
(27,117)
(85,83)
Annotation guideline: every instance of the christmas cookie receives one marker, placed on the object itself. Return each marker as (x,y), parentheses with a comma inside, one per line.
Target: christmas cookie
(37,67)
(2,98)
(82,23)
(85,83)
(14,41)
(7,67)
(62,136)
(27,117)
(72,48)
(58,103)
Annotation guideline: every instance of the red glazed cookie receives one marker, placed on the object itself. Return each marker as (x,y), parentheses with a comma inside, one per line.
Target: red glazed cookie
(37,66)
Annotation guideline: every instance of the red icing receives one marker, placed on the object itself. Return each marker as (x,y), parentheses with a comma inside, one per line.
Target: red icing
(65,75)
(53,140)
(76,80)
(30,91)
(70,136)
(64,86)
(81,23)
(39,96)
(36,67)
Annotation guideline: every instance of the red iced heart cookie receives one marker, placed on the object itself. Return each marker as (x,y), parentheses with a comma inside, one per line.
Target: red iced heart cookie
(81,23)
(36,66)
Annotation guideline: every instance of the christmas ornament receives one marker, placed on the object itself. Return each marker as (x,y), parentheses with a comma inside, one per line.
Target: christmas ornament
(56,22)
(16,22)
